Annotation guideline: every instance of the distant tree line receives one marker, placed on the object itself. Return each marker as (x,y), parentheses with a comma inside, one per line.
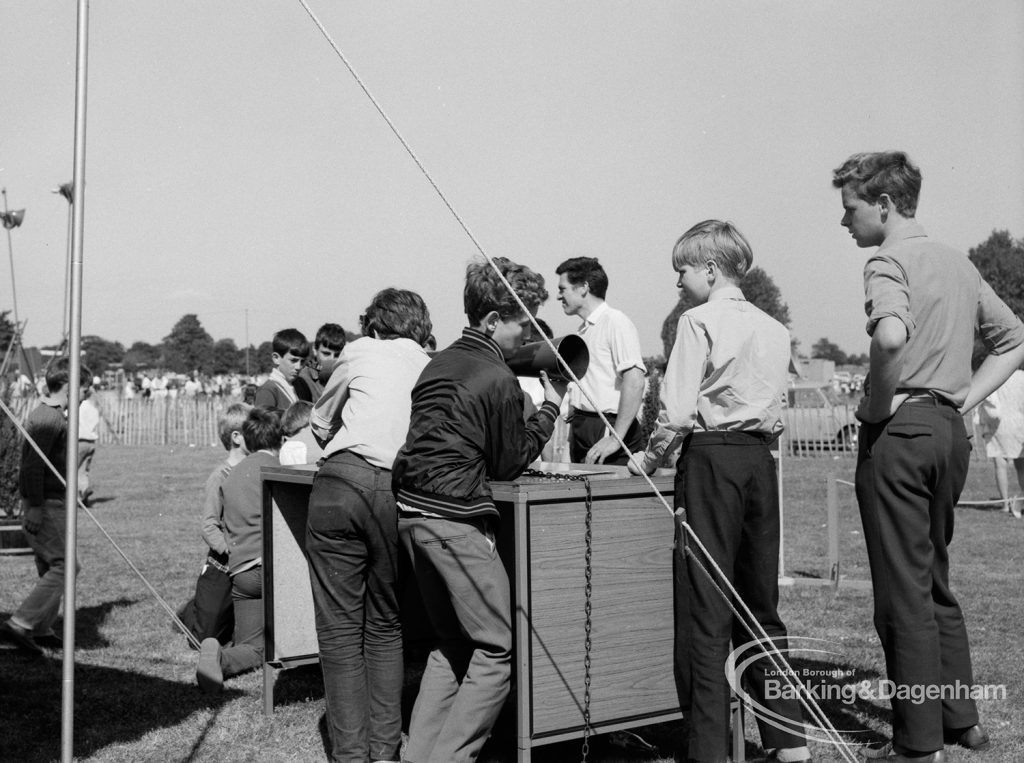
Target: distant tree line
(189,347)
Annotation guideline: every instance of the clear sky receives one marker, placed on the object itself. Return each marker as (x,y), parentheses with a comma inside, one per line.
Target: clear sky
(234,167)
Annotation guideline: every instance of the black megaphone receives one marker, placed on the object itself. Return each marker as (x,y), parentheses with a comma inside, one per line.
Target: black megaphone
(532,358)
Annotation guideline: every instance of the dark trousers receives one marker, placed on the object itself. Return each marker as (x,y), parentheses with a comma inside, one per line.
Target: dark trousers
(210,613)
(352,546)
(587,428)
(727,484)
(910,472)
(466,593)
(246,651)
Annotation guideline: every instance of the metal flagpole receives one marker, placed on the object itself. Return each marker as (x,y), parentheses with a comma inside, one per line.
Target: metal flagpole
(74,391)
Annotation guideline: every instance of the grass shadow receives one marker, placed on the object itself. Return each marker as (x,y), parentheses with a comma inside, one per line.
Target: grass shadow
(88,623)
(30,703)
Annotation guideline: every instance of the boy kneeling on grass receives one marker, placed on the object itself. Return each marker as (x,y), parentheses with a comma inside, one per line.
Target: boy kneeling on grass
(242,499)
(466,428)
(724,386)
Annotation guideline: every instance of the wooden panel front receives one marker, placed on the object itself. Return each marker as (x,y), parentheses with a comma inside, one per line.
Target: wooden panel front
(631,612)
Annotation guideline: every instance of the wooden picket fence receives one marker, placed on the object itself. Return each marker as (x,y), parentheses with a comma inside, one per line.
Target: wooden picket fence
(160,421)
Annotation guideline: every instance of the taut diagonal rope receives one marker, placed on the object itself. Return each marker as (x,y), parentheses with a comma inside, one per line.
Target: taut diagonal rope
(167,607)
(761,636)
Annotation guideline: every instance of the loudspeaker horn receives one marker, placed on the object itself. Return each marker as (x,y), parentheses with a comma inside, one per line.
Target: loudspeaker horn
(532,358)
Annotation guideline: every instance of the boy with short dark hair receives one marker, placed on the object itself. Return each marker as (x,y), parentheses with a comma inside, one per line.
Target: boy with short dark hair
(44,513)
(724,385)
(313,377)
(467,428)
(925,303)
(242,499)
(290,350)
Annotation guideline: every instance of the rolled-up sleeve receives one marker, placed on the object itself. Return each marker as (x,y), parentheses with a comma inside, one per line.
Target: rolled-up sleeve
(1001,330)
(325,419)
(886,293)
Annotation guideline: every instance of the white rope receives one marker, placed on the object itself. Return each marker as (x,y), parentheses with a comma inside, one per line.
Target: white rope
(167,607)
(767,643)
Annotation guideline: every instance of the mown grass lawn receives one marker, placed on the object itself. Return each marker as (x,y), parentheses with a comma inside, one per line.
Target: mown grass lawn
(135,692)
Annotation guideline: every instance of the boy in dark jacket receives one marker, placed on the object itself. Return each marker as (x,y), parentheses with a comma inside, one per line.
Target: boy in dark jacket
(467,428)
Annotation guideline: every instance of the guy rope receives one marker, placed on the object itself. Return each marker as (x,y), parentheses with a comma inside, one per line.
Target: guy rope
(729,593)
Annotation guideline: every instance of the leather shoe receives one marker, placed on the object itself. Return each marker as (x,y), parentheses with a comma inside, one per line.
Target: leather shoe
(22,637)
(889,754)
(208,673)
(975,738)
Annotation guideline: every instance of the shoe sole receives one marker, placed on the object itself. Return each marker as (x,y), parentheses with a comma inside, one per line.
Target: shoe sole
(208,672)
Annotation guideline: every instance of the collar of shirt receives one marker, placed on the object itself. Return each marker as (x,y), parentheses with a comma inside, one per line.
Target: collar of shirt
(481,340)
(594,316)
(727,292)
(912,229)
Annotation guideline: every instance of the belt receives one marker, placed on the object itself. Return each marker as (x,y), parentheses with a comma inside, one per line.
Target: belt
(731,437)
(926,397)
(591,414)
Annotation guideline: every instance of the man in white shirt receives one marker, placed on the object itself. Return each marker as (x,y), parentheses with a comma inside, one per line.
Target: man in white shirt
(88,435)
(614,382)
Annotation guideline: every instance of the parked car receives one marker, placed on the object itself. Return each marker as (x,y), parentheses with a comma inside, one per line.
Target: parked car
(817,417)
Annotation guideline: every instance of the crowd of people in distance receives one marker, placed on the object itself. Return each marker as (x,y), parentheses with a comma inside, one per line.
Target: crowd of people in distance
(407,441)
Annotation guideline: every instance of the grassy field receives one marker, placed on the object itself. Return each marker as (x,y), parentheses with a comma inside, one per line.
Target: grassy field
(135,692)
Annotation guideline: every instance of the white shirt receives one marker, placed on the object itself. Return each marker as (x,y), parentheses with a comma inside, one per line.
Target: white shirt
(88,421)
(727,371)
(614,346)
(742,380)
(365,406)
(292,453)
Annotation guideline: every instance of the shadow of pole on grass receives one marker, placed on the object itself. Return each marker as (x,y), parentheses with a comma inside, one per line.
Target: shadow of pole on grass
(89,621)
(112,707)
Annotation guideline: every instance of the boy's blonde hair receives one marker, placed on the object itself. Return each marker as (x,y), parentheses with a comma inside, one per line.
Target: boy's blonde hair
(717,241)
(296,417)
(231,421)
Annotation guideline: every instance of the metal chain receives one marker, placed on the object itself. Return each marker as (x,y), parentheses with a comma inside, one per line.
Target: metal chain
(587,573)
(587,591)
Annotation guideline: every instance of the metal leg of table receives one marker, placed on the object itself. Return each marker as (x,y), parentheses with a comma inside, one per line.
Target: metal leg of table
(269,677)
(738,740)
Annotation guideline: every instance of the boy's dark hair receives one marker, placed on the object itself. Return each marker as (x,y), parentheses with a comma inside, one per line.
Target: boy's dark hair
(296,417)
(397,314)
(291,340)
(872,173)
(485,292)
(585,270)
(262,430)
(58,374)
(714,240)
(332,336)
(231,421)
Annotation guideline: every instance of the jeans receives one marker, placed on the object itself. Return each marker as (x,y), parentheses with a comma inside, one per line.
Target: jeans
(352,547)
(246,653)
(466,593)
(39,610)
